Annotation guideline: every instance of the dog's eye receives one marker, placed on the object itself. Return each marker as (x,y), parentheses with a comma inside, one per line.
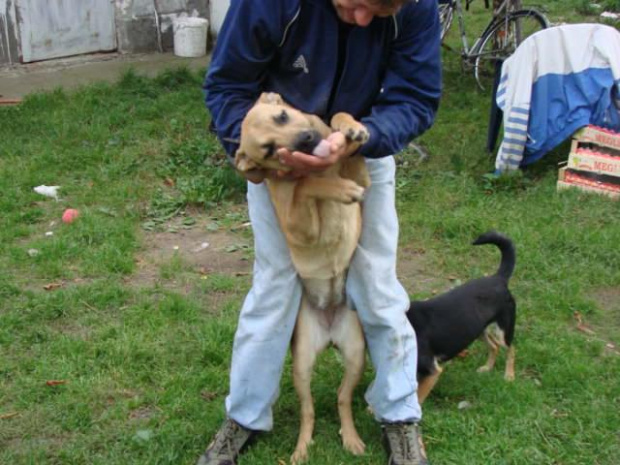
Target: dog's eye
(270,149)
(282,118)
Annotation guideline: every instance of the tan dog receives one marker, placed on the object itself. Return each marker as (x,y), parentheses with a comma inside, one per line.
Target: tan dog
(320,216)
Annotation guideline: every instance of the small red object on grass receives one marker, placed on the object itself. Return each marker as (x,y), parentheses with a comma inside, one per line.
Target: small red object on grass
(70,215)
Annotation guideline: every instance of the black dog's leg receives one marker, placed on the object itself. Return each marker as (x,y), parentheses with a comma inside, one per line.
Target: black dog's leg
(493,349)
(506,322)
(428,372)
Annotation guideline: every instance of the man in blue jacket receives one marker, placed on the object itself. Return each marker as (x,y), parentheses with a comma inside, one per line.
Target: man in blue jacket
(378,60)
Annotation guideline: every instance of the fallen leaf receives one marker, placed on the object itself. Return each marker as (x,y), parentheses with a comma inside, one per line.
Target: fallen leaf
(208,395)
(169,182)
(55,382)
(463,353)
(558,414)
(52,286)
(107,211)
(241,226)
(6,416)
(581,326)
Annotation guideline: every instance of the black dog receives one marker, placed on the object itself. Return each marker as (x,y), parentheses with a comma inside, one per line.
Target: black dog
(447,324)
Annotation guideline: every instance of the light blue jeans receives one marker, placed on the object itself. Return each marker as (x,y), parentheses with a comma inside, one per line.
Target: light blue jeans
(270,309)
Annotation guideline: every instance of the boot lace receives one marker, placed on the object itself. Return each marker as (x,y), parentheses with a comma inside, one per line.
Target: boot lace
(405,443)
(229,441)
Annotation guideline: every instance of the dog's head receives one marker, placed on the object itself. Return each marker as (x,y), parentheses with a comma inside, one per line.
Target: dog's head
(270,125)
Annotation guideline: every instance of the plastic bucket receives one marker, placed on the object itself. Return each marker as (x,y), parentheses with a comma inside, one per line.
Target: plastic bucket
(190,37)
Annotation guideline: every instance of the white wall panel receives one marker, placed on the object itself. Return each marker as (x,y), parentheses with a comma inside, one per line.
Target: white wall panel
(58,28)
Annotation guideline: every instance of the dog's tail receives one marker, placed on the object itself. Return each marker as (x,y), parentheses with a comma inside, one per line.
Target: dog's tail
(507,265)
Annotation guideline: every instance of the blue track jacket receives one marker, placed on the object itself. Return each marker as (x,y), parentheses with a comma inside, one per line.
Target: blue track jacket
(391,79)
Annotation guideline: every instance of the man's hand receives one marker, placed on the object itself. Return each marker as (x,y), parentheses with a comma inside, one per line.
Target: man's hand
(256,175)
(303,164)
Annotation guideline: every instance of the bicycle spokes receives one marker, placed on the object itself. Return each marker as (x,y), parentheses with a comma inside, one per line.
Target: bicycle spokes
(501,39)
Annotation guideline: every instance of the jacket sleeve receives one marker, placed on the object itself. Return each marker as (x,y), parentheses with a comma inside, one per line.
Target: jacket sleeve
(246,43)
(409,98)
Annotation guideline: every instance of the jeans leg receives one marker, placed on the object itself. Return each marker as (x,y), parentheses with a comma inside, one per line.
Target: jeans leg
(266,321)
(381,301)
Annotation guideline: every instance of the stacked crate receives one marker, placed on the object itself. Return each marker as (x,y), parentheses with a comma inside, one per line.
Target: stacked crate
(594,162)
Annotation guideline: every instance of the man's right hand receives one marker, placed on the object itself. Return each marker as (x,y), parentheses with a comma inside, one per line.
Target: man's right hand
(256,175)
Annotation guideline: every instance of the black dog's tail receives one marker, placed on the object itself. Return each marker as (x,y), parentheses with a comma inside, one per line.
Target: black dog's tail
(507,265)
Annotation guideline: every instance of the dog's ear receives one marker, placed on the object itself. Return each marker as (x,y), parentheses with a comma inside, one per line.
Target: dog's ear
(242,162)
(271,98)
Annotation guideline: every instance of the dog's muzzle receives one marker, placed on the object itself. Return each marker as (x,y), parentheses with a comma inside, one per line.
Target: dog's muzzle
(306,141)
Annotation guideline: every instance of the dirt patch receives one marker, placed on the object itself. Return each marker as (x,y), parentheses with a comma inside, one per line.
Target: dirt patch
(198,248)
(143,413)
(608,300)
(606,322)
(71,329)
(415,272)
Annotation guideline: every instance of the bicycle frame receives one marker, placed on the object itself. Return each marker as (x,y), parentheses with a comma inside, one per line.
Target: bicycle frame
(502,11)
(504,29)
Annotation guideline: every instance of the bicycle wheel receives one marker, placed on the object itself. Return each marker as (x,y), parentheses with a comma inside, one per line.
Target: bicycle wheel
(446,15)
(501,39)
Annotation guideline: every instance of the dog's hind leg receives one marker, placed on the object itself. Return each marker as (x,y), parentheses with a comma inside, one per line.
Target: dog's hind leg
(509,374)
(427,383)
(506,322)
(350,340)
(493,348)
(308,340)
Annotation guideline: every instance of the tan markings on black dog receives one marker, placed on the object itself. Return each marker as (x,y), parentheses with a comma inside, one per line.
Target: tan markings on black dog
(320,216)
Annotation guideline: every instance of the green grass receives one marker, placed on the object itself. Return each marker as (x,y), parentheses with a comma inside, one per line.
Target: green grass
(145,362)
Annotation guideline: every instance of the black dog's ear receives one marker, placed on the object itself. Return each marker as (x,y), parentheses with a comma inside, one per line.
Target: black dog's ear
(242,162)
(271,98)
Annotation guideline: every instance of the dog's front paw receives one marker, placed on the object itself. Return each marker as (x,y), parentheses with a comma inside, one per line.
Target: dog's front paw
(352,129)
(300,455)
(351,192)
(484,369)
(356,133)
(353,443)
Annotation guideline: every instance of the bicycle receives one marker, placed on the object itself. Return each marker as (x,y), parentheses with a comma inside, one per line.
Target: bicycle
(508,27)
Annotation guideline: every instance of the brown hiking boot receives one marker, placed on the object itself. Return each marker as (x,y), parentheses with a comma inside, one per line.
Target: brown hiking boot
(404,445)
(227,445)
